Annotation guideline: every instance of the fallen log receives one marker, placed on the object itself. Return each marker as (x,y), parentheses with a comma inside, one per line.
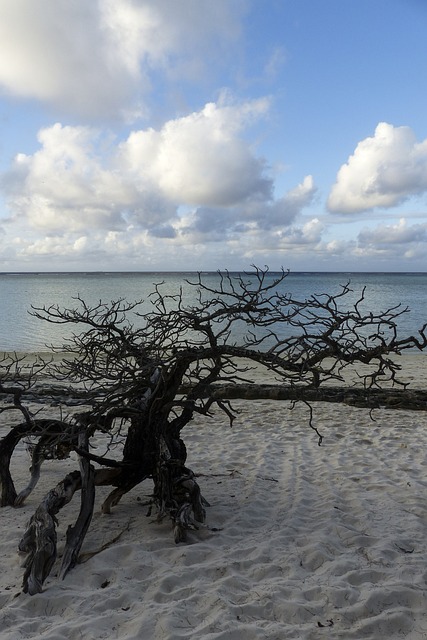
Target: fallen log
(412,399)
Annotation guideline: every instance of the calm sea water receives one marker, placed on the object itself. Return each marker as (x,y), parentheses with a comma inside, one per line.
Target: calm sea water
(21,332)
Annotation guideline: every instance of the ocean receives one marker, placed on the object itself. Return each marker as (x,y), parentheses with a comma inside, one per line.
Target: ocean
(21,332)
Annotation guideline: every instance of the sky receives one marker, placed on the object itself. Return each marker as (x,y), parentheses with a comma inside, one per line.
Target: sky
(147,135)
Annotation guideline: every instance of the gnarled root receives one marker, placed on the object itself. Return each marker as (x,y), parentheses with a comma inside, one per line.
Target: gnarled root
(39,540)
(188,496)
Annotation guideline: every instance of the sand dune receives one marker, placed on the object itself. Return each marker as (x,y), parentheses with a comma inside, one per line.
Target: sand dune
(303,542)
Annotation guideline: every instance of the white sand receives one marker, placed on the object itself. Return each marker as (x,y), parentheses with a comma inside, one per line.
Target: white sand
(333,535)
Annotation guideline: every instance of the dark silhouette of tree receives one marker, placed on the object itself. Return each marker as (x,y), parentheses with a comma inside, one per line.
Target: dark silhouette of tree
(141,383)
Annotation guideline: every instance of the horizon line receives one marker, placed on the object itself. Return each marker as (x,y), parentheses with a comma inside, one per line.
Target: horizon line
(202,271)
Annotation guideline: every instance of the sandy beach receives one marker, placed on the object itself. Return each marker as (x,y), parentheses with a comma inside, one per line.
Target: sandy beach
(302,541)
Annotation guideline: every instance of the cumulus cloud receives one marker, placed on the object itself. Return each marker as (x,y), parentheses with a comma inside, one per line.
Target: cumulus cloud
(270,214)
(309,233)
(200,158)
(384,170)
(174,191)
(267,218)
(95,58)
(207,224)
(64,185)
(53,246)
(80,179)
(400,233)
(284,210)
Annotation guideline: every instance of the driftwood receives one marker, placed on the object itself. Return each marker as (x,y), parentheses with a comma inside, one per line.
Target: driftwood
(184,504)
(412,399)
(39,540)
(76,534)
(54,434)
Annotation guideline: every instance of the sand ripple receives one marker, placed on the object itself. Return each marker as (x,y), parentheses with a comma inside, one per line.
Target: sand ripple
(313,542)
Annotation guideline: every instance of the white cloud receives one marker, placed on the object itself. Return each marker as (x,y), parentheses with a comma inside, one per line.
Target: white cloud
(94,58)
(50,246)
(80,180)
(287,208)
(296,247)
(338,247)
(384,170)
(146,31)
(57,52)
(400,233)
(175,194)
(266,218)
(200,158)
(280,213)
(305,235)
(64,185)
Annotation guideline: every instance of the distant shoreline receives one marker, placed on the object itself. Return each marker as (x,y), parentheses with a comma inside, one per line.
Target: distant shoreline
(205,272)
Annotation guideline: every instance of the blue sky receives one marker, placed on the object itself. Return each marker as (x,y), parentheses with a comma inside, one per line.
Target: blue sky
(196,135)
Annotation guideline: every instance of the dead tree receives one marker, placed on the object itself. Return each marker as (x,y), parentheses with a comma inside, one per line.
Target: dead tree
(143,381)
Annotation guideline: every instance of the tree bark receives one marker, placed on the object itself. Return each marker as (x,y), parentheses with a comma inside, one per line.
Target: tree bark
(48,429)
(76,534)
(40,538)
